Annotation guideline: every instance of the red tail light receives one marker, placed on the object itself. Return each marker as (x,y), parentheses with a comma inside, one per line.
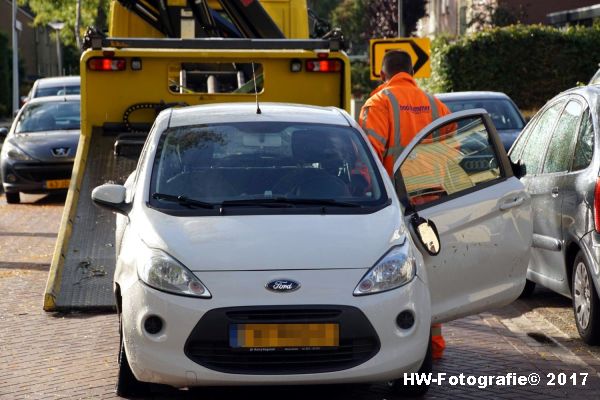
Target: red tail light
(597,206)
(323,65)
(106,64)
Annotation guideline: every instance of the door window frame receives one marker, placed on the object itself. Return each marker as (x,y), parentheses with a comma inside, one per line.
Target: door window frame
(571,144)
(495,141)
(586,110)
(538,117)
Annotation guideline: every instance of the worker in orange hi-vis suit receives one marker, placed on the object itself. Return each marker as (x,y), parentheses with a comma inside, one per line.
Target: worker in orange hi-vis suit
(396,111)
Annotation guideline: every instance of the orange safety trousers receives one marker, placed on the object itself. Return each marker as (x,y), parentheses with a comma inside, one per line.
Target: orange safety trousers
(438,344)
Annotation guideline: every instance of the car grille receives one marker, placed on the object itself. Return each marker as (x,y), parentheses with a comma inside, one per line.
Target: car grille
(40,172)
(208,344)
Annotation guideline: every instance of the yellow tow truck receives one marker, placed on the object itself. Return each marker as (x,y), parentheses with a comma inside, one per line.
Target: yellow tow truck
(171,53)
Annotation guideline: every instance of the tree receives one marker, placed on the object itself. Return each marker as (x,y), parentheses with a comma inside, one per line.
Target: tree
(383,17)
(349,16)
(92,13)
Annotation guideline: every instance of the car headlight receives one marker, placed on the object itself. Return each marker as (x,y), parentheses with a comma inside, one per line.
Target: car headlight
(163,272)
(15,153)
(396,268)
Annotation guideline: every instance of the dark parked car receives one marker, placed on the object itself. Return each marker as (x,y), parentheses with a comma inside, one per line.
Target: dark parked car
(559,148)
(37,155)
(504,112)
(55,86)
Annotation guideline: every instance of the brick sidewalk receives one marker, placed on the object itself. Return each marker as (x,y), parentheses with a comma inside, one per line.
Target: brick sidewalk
(73,356)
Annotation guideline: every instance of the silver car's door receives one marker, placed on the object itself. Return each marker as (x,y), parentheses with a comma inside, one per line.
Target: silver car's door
(456,174)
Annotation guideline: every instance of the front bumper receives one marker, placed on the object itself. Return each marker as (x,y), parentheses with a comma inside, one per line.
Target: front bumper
(31,176)
(161,358)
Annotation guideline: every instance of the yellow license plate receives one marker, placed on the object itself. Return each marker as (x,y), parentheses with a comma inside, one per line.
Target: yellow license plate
(284,335)
(58,184)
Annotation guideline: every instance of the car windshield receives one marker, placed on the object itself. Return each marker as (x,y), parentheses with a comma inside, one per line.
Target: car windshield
(60,90)
(503,113)
(49,116)
(264,164)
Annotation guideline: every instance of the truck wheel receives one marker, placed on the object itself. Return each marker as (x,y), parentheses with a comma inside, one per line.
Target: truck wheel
(585,302)
(528,289)
(13,197)
(127,384)
(398,387)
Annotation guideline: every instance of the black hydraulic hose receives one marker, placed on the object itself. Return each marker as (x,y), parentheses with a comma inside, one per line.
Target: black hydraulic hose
(157,107)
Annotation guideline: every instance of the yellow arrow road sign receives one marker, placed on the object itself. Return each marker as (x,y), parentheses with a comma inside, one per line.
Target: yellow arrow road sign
(418,48)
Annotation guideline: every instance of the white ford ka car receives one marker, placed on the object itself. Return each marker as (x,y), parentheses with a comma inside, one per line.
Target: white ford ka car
(273,248)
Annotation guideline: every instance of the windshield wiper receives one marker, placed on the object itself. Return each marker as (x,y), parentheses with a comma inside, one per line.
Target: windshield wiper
(288,202)
(182,200)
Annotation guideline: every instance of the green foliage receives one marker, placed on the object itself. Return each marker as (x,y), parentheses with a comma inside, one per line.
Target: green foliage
(349,16)
(362,85)
(531,63)
(64,10)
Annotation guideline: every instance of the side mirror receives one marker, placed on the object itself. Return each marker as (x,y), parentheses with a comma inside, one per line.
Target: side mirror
(519,169)
(3,133)
(112,197)
(427,234)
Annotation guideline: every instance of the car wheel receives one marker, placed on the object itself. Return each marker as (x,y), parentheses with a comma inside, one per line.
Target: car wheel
(127,384)
(398,387)
(585,302)
(13,197)
(528,289)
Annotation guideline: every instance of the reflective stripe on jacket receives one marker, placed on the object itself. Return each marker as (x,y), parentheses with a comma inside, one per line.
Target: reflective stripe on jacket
(395,113)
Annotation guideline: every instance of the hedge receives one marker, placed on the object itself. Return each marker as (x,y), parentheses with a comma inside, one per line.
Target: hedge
(530,63)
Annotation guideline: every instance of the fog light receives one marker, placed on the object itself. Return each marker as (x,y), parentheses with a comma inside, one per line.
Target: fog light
(405,320)
(153,324)
(10,178)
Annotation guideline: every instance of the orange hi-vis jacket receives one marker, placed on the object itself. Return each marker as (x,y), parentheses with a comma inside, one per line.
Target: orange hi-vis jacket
(396,111)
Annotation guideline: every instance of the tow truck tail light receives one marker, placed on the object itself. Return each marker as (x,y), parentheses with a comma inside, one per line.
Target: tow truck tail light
(323,65)
(597,206)
(106,64)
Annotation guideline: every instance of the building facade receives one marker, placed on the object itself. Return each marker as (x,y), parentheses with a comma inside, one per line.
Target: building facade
(37,47)
(457,17)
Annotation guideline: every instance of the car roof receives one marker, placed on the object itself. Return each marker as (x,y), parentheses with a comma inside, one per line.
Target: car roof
(590,92)
(246,112)
(48,99)
(474,95)
(58,81)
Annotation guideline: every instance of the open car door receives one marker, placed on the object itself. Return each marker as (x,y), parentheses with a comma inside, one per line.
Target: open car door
(456,175)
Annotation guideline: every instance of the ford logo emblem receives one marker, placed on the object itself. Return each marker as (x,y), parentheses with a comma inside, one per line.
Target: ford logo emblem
(282,285)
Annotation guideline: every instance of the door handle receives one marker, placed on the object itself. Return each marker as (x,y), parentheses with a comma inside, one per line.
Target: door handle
(555,191)
(516,202)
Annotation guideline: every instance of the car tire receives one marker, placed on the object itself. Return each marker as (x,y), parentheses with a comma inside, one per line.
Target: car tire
(127,384)
(528,289)
(586,304)
(13,197)
(398,387)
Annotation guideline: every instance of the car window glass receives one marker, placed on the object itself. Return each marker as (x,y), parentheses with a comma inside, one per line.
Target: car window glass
(457,157)
(558,155)
(58,90)
(533,151)
(517,148)
(584,150)
(49,116)
(261,161)
(504,114)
